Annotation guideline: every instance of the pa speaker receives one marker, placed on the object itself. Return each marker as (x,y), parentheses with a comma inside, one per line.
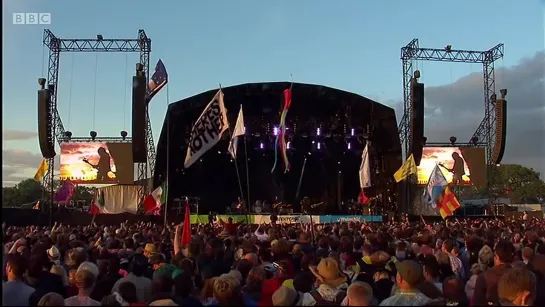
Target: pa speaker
(139,110)
(417,121)
(501,131)
(45,124)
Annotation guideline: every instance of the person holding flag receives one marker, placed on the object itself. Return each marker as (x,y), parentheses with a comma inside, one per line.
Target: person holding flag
(437,194)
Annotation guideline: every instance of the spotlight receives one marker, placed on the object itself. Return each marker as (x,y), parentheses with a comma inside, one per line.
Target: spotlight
(275,131)
(100,37)
(352,132)
(349,146)
(68,134)
(452,140)
(475,140)
(41,82)
(319,146)
(503,93)
(93,135)
(416,74)
(261,146)
(124,134)
(424,140)
(448,48)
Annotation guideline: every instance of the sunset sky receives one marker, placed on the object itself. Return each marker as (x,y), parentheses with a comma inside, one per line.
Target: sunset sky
(433,155)
(72,165)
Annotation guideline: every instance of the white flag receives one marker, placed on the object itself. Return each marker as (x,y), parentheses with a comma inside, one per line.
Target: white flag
(239,130)
(365,169)
(207,130)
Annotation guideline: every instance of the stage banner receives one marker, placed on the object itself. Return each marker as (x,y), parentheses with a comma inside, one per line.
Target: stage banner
(285,219)
(349,218)
(203,218)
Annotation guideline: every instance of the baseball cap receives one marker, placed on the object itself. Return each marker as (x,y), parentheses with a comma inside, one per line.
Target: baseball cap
(410,271)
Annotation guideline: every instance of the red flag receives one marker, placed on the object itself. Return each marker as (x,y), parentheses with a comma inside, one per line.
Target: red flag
(186,231)
(287,99)
(362,198)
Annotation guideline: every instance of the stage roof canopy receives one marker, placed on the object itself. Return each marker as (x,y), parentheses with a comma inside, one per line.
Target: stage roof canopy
(340,116)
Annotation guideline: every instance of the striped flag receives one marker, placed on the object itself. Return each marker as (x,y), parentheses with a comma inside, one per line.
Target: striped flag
(98,206)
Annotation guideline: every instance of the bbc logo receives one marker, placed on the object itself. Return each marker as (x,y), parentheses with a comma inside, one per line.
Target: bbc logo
(31,18)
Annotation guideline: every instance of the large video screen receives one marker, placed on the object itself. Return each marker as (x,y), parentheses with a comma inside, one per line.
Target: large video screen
(97,163)
(462,166)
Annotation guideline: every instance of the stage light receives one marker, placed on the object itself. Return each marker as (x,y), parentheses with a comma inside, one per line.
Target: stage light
(318,131)
(289,145)
(319,145)
(275,130)
(100,37)
(448,48)
(219,152)
(313,142)
(68,135)
(452,140)
(503,93)
(124,134)
(41,82)
(93,135)
(349,146)
(352,132)
(244,130)
(475,140)
(261,146)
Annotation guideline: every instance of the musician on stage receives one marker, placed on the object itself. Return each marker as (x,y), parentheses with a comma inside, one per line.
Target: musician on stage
(103,166)
(457,170)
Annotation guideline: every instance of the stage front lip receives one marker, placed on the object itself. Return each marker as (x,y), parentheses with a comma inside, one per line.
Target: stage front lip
(289,219)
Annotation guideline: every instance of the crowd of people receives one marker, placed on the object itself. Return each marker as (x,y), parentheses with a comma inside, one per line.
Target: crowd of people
(453,263)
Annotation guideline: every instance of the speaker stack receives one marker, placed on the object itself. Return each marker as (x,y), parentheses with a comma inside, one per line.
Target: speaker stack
(501,129)
(46,134)
(416,141)
(139,109)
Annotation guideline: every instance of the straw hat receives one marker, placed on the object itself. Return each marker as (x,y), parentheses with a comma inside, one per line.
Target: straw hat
(328,272)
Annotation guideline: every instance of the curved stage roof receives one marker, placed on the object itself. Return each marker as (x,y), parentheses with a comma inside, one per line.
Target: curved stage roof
(337,113)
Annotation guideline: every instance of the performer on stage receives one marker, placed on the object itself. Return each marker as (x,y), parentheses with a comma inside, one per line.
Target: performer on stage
(457,169)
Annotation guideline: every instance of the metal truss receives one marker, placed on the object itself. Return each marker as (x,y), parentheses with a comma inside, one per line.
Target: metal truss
(141,44)
(485,133)
(98,140)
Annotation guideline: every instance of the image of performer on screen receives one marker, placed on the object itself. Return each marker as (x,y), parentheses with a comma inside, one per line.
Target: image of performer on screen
(457,170)
(103,166)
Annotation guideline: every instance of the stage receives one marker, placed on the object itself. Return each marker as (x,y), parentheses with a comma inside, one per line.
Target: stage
(26,217)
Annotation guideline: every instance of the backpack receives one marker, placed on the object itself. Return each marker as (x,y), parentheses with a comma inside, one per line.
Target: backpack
(321,302)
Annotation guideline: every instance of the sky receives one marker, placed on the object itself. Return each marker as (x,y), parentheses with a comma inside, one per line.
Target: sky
(353,45)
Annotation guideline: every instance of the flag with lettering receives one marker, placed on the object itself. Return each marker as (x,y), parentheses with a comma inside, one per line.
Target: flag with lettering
(239,130)
(158,80)
(207,130)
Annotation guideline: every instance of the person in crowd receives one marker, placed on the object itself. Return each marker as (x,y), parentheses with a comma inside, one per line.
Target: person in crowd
(15,292)
(51,299)
(331,281)
(139,265)
(85,281)
(409,275)
(359,294)
(486,284)
(517,287)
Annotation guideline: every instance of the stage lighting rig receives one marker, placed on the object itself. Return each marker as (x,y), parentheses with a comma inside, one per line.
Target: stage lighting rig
(93,135)
(452,140)
(68,135)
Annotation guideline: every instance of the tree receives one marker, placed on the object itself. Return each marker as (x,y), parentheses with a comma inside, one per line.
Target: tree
(519,183)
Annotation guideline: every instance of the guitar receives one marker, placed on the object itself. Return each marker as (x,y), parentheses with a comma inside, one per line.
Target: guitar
(280,204)
(446,168)
(87,161)
(316,205)
(239,205)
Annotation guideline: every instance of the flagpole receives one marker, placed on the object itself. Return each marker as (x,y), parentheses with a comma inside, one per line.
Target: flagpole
(168,160)
(236,163)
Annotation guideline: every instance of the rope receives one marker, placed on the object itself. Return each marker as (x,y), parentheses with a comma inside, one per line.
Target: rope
(95,93)
(125,93)
(70,94)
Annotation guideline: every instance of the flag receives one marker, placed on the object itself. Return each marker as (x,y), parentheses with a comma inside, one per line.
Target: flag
(155,199)
(438,194)
(408,168)
(65,192)
(362,198)
(158,80)
(42,170)
(36,206)
(186,230)
(239,130)
(365,169)
(98,205)
(207,130)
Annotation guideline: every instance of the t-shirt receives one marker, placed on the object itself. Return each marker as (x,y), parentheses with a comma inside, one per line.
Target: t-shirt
(16,293)
(81,301)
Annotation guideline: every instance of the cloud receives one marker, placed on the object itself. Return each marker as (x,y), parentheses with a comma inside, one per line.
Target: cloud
(457,109)
(18,135)
(18,165)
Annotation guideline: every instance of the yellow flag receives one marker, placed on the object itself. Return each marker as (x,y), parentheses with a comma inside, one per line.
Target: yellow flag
(42,170)
(408,168)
